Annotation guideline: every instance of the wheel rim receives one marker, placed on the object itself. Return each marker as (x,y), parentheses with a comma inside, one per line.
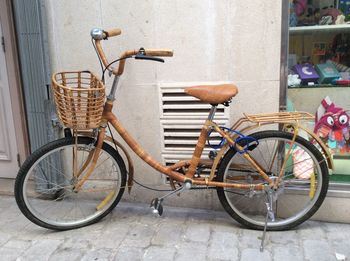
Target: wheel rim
(47,190)
(250,205)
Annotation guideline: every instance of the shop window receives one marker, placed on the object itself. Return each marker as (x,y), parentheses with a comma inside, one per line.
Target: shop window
(319,72)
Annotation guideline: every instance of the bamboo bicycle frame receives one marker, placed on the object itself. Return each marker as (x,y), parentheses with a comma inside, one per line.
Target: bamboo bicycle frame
(193,163)
(109,117)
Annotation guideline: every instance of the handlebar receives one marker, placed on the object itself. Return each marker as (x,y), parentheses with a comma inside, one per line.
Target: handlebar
(159,52)
(112,32)
(99,34)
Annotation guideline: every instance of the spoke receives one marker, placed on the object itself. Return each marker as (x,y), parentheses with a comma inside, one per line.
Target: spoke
(295,163)
(275,153)
(79,207)
(51,183)
(312,167)
(245,197)
(100,164)
(54,189)
(62,196)
(97,166)
(262,156)
(270,161)
(68,212)
(58,171)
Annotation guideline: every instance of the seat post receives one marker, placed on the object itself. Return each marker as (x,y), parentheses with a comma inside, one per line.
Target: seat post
(212,112)
(200,144)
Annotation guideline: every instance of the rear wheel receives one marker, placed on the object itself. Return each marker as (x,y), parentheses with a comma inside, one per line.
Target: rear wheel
(301,190)
(44,188)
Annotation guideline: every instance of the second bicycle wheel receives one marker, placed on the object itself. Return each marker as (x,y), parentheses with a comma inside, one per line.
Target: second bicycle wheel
(301,190)
(44,188)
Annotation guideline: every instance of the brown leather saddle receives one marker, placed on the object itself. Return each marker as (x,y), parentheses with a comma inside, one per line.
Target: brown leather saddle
(213,94)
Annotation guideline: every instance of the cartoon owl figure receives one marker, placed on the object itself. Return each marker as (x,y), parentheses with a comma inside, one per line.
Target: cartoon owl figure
(332,126)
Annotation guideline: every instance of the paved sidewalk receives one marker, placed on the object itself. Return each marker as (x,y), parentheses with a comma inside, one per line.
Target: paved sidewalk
(132,233)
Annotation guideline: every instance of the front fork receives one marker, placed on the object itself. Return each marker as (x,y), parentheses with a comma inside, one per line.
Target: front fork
(91,161)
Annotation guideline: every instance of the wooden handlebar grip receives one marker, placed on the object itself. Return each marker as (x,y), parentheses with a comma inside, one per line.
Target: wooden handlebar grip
(113,32)
(159,52)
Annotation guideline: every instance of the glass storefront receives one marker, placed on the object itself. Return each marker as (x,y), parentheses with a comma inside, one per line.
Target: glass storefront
(319,73)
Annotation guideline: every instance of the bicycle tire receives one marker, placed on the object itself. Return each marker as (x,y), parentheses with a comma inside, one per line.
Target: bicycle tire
(44,185)
(248,207)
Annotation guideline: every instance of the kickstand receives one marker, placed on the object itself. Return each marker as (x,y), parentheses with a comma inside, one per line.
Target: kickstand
(265,227)
(269,214)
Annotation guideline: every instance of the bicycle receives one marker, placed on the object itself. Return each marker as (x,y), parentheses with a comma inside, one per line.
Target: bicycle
(77,180)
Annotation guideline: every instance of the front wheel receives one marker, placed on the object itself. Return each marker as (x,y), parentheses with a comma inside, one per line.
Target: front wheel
(301,190)
(44,187)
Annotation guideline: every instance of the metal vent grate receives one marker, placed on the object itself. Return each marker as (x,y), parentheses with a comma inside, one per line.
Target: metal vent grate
(181,118)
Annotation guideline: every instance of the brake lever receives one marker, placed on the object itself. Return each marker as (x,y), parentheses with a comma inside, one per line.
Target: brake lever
(141,56)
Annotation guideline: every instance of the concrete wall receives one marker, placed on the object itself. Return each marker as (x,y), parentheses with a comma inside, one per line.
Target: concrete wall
(229,40)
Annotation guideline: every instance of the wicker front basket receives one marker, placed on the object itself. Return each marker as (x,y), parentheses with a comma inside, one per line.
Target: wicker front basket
(79,98)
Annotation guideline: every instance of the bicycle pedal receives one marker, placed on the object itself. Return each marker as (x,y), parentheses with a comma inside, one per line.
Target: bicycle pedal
(156,205)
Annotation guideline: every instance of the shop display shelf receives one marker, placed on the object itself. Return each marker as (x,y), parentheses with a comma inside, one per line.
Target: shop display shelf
(319,28)
(318,86)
